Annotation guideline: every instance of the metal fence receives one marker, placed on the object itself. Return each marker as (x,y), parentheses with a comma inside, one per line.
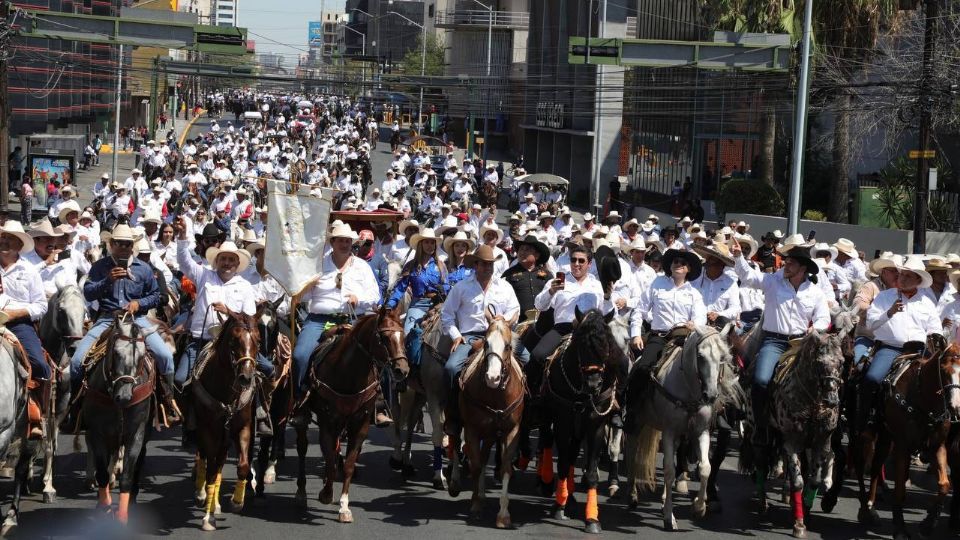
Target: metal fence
(510,19)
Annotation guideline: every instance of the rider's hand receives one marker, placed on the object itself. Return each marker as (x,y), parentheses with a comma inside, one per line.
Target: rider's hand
(556,285)
(133,307)
(691,325)
(456,343)
(736,250)
(947,323)
(116,273)
(638,343)
(180,227)
(712,316)
(353,300)
(897,307)
(219,307)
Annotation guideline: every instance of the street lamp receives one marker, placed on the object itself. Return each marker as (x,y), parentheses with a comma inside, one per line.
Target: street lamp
(486,111)
(423,58)
(363,44)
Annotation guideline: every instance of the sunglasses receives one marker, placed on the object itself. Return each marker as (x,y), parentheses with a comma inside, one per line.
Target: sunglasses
(579,261)
(679,262)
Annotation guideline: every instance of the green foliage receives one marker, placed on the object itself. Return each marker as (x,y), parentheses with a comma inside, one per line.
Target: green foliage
(896,192)
(750,196)
(412,61)
(814,215)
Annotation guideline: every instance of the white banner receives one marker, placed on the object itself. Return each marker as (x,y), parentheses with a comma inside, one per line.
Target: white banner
(296,235)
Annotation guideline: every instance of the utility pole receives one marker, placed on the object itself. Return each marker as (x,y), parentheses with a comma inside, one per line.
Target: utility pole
(800,125)
(920,203)
(116,115)
(4,112)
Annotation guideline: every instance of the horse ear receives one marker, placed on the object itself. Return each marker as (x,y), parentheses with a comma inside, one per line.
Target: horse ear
(578,313)
(726,330)
(513,320)
(489,314)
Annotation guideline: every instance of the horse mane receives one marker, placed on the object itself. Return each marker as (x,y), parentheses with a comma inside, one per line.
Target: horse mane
(592,336)
(730,391)
(844,320)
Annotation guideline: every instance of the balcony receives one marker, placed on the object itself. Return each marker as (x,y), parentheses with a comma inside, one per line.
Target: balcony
(479,18)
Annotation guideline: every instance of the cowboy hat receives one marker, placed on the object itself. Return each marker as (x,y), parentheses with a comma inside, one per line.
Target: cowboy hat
(543,252)
(528,196)
(647,226)
(407,223)
(955,279)
(228,247)
(588,217)
(65,229)
(248,236)
(694,227)
(748,240)
(545,215)
(66,208)
(744,224)
(686,219)
(935,264)
(953,258)
(696,266)
(143,245)
(653,242)
(769,236)
(15,228)
(914,263)
(121,232)
(632,223)
(151,217)
(43,228)
(210,231)
(637,244)
(516,216)
(483,253)
(253,247)
(342,230)
(887,259)
(68,190)
(425,234)
(449,223)
(802,255)
(612,215)
(460,236)
(823,246)
(487,228)
(794,241)
(717,251)
(654,217)
(846,247)
(86,215)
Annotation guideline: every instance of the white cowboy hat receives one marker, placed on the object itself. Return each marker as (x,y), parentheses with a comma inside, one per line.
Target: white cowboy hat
(653,241)
(152,216)
(744,224)
(823,246)
(793,241)
(528,196)
(248,236)
(647,226)
(637,244)
(121,232)
(449,222)
(425,234)
(143,245)
(631,223)
(87,215)
(613,214)
(778,234)
(67,192)
(545,215)
(686,219)
(43,228)
(487,228)
(253,247)
(749,240)
(914,263)
(846,247)
(459,237)
(953,258)
(565,211)
(66,208)
(694,227)
(887,259)
(651,217)
(588,217)
(341,230)
(228,247)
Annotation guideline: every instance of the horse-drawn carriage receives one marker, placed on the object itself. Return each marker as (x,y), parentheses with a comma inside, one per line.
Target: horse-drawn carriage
(529,183)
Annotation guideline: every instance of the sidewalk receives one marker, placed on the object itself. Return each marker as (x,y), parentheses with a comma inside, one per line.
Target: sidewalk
(182,127)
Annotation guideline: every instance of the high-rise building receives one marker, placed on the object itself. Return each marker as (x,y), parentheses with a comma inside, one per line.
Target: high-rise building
(225,12)
(386,37)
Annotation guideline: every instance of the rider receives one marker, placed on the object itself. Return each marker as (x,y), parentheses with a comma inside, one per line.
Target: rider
(720,291)
(897,316)
(25,303)
(55,271)
(116,282)
(793,306)
(885,268)
(346,285)
(464,319)
(457,248)
(530,275)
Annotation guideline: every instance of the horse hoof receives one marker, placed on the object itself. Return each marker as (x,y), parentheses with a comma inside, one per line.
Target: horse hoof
(559,514)
(699,508)
(301,498)
(762,507)
(325,498)
(867,516)
(682,487)
(829,502)
(799,530)
(345,516)
(408,471)
(209,524)
(503,522)
(613,490)
(235,508)
(475,515)
(670,524)
(593,527)
(453,488)
(438,484)
(270,476)
(217,510)
(395,463)
(49,497)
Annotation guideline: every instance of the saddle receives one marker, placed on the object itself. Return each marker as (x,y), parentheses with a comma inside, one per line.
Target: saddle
(899,367)
(38,391)
(542,377)
(787,362)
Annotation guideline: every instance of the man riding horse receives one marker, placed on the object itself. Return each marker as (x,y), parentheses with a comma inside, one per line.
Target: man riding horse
(121,281)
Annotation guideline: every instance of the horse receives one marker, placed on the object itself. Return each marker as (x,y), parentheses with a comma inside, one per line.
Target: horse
(274,344)
(620,328)
(60,330)
(921,396)
(579,396)
(690,386)
(14,375)
(491,407)
(223,386)
(118,409)
(343,392)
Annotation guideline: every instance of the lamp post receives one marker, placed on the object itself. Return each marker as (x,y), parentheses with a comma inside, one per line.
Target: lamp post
(486,107)
(423,59)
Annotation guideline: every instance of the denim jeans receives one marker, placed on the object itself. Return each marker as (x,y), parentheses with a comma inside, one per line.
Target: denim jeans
(27,335)
(307,341)
(880,365)
(162,356)
(417,310)
(770,352)
(458,358)
(861,347)
(189,359)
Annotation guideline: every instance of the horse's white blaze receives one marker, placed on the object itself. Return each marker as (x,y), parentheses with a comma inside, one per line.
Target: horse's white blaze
(955,391)
(495,344)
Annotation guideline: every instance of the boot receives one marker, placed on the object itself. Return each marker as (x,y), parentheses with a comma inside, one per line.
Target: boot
(300,417)
(761,422)
(39,396)
(381,417)
(171,409)
(451,424)
(264,399)
(638,387)
(866,406)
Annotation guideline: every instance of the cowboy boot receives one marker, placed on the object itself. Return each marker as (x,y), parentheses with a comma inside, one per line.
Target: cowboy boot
(172,411)
(866,406)
(264,401)
(39,398)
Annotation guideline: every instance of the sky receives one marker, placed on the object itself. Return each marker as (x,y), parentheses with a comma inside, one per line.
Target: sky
(281,26)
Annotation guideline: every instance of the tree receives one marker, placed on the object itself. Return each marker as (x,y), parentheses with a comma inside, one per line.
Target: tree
(412,61)
(749,196)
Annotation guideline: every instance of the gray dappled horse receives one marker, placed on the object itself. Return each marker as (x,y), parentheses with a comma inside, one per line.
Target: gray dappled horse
(13,426)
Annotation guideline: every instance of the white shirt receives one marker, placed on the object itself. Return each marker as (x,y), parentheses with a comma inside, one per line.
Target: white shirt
(464,311)
(721,295)
(237,293)
(856,270)
(664,306)
(357,279)
(918,318)
(787,310)
(564,301)
(54,276)
(23,286)
(946,298)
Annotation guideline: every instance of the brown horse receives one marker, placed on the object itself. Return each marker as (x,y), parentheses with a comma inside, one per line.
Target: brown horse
(917,410)
(343,394)
(491,406)
(223,388)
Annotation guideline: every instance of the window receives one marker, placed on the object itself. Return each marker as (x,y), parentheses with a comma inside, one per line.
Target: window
(430,11)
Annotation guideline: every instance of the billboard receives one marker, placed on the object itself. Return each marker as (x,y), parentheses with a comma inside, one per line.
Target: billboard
(315,33)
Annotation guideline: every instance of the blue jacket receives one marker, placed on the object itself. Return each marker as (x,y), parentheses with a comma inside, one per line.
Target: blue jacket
(421,282)
(113,296)
(460,274)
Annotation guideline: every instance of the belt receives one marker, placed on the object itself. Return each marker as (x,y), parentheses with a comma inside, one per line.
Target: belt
(659,333)
(336,317)
(783,337)
(882,345)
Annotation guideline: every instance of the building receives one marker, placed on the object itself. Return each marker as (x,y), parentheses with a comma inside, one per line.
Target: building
(225,12)
(326,37)
(385,36)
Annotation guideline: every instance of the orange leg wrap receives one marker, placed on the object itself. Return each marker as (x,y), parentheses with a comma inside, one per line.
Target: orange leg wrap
(562,493)
(593,512)
(546,466)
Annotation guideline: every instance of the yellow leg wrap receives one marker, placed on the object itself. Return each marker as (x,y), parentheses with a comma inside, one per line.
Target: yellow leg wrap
(211,498)
(217,485)
(239,491)
(201,468)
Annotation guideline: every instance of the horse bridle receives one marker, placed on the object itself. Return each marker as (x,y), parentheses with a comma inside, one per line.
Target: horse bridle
(237,363)
(107,366)
(383,345)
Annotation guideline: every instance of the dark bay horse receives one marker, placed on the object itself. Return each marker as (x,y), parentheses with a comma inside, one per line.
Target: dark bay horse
(579,398)
(117,411)
(917,410)
(343,393)
(491,406)
(275,346)
(223,387)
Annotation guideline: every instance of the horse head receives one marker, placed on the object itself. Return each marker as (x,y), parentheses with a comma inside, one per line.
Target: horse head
(594,346)
(239,343)
(820,361)
(70,311)
(390,340)
(497,348)
(712,353)
(268,322)
(127,348)
(950,371)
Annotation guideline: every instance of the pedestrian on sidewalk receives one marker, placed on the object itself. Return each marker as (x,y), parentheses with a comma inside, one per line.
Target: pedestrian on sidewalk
(26,198)
(97,145)
(163,120)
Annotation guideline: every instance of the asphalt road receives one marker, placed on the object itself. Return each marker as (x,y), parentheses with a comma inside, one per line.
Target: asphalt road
(386,506)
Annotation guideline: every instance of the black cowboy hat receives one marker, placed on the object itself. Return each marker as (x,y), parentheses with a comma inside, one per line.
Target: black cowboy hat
(608,267)
(210,232)
(543,252)
(769,236)
(670,230)
(693,261)
(802,255)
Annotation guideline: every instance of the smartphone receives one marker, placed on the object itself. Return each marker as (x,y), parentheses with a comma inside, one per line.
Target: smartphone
(123,263)
(64,255)
(812,235)
(561,276)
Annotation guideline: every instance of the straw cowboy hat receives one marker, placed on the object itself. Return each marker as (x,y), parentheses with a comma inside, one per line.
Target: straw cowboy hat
(846,247)
(647,226)
(459,237)
(483,253)
(653,217)
(955,279)
(748,240)
(823,246)
(425,234)
(121,232)
(487,228)
(66,208)
(407,223)
(254,247)
(887,259)
(744,224)
(152,216)
(794,241)
(143,246)
(228,247)
(653,241)
(43,228)
(612,215)
(914,263)
(588,217)
(68,192)
(694,227)
(932,265)
(248,236)
(632,223)
(717,251)
(341,230)
(953,258)
(693,261)
(637,244)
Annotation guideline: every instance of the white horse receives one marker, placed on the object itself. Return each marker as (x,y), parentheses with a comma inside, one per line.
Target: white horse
(688,391)
(620,328)
(14,446)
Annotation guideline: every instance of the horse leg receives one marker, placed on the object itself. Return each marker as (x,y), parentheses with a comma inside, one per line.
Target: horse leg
(212,488)
(436,421)
(357,434)
(396,409)
(12,518)
(477,454)
(133,443)
(943,489)
(592,477)
(510,443)
(545,477)
(631,444)
(683,476)
(301,496)
(837,467)
(200,480)
(867,514)
(901,462)
(408,470)
(716,461)
(668,446)
(50,449)
(329,439)
(263,463)
(614,442)
(705,469)
(791,455)
(242,442)
(98,455)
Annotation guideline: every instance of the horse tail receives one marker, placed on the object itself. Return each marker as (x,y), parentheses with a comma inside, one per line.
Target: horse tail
(648,441)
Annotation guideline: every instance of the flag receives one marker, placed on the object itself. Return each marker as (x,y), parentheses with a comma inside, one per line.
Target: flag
(296,236)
